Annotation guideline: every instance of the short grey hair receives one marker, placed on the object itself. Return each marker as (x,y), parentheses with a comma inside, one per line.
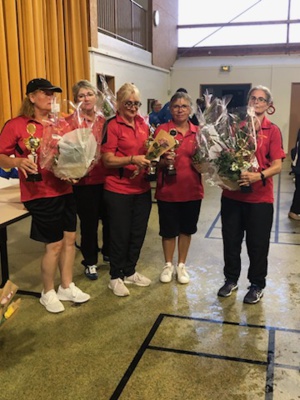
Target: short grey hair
(267,91)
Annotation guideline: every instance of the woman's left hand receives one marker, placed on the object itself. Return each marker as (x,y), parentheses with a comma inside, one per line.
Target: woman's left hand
(248,177)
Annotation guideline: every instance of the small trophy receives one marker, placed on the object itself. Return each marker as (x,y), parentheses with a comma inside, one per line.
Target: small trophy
(171,170)
(152,170)
(32,143)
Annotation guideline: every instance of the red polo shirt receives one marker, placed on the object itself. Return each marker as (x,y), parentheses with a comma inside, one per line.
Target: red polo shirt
(269,148)
(124,140)
(12,142)
(186,185)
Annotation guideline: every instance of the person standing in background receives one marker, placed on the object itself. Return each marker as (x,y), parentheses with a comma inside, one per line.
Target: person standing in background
(88,191)
(251,213)
(127,194)
(295,206)
(49,199)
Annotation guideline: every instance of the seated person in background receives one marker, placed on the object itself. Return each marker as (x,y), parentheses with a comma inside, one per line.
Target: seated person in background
(153,116)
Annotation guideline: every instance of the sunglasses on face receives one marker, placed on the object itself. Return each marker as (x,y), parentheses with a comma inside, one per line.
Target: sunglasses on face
(47,92)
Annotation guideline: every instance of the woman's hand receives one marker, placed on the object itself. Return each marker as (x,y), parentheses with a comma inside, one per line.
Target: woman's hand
(141,161)
(248,177)
(26,166)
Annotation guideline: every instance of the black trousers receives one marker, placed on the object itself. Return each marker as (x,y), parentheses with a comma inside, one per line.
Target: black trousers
(128,220)
(295,207)
(254,220)
(90,208)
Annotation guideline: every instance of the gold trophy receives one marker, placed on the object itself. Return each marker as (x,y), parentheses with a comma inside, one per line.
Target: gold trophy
(171,170)
(32,143)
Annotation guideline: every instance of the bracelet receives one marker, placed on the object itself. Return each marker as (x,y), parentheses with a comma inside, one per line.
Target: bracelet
(263,178)
(131,160)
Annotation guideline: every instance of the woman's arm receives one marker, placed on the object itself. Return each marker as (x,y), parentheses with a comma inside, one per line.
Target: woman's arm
(112,161)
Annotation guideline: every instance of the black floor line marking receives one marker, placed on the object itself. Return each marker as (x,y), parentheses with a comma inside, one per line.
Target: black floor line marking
(269,363)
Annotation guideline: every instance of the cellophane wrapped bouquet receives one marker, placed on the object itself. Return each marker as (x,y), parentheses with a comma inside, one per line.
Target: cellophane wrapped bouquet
(8,307)
(71,147)
(109,103)
(226,143)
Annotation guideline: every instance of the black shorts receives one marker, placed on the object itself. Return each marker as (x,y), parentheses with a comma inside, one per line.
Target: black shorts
(178,217)
(51,217)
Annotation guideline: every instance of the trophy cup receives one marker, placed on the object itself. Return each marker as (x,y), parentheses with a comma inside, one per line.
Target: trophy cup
(152,172)
(171,170)
(32,143)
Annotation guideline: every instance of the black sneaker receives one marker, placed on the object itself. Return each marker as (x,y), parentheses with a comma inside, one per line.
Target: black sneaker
(91,272)
(105,259)
(227,289)
(254,294)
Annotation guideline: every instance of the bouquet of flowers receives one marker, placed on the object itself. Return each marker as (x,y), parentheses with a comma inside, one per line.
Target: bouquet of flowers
(157,147)
(71,147)
(7,306)
(226,143)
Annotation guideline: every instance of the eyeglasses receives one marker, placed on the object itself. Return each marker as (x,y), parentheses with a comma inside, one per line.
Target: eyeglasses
(184,107)
(259,99)
(82,96)
(130,104)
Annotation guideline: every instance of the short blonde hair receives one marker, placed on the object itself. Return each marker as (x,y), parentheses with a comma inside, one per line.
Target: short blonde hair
(126,91)
(83,84)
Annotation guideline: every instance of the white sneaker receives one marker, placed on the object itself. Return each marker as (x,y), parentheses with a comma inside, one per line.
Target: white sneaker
(182,275)
(72,293)
(51,302)
(118,287)
(137,279)
(167,273)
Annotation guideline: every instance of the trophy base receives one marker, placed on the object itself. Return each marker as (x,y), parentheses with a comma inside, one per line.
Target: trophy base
(151,177)
(246,189)
(34,178)
(171,172)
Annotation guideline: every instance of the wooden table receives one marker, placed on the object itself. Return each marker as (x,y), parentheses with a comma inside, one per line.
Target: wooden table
(11,211)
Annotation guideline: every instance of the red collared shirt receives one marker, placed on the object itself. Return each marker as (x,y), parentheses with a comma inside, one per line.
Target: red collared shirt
(12,142)
(124,140)
(269,148)
(186,185)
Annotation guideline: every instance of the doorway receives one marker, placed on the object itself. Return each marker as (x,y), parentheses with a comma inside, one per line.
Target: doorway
(237,91)
(294,115)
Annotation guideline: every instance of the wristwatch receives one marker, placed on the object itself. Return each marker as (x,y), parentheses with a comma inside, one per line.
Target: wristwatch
(263,178)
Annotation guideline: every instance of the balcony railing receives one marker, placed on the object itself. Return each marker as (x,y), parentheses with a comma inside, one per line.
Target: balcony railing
(126,20)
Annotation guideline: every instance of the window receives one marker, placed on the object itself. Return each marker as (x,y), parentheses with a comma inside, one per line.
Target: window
(243,22)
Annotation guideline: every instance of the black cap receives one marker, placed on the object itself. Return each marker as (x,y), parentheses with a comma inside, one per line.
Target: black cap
(40,84)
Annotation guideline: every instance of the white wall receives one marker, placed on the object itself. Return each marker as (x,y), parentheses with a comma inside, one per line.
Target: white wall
(277,73)
(129,64)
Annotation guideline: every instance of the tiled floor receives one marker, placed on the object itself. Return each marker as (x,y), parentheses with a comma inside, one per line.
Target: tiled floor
(167,341)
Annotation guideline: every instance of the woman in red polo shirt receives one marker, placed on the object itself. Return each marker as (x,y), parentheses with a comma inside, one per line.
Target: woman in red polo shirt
(252,212)
(178,195)
(88,191)
(127,195)
(49,199)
